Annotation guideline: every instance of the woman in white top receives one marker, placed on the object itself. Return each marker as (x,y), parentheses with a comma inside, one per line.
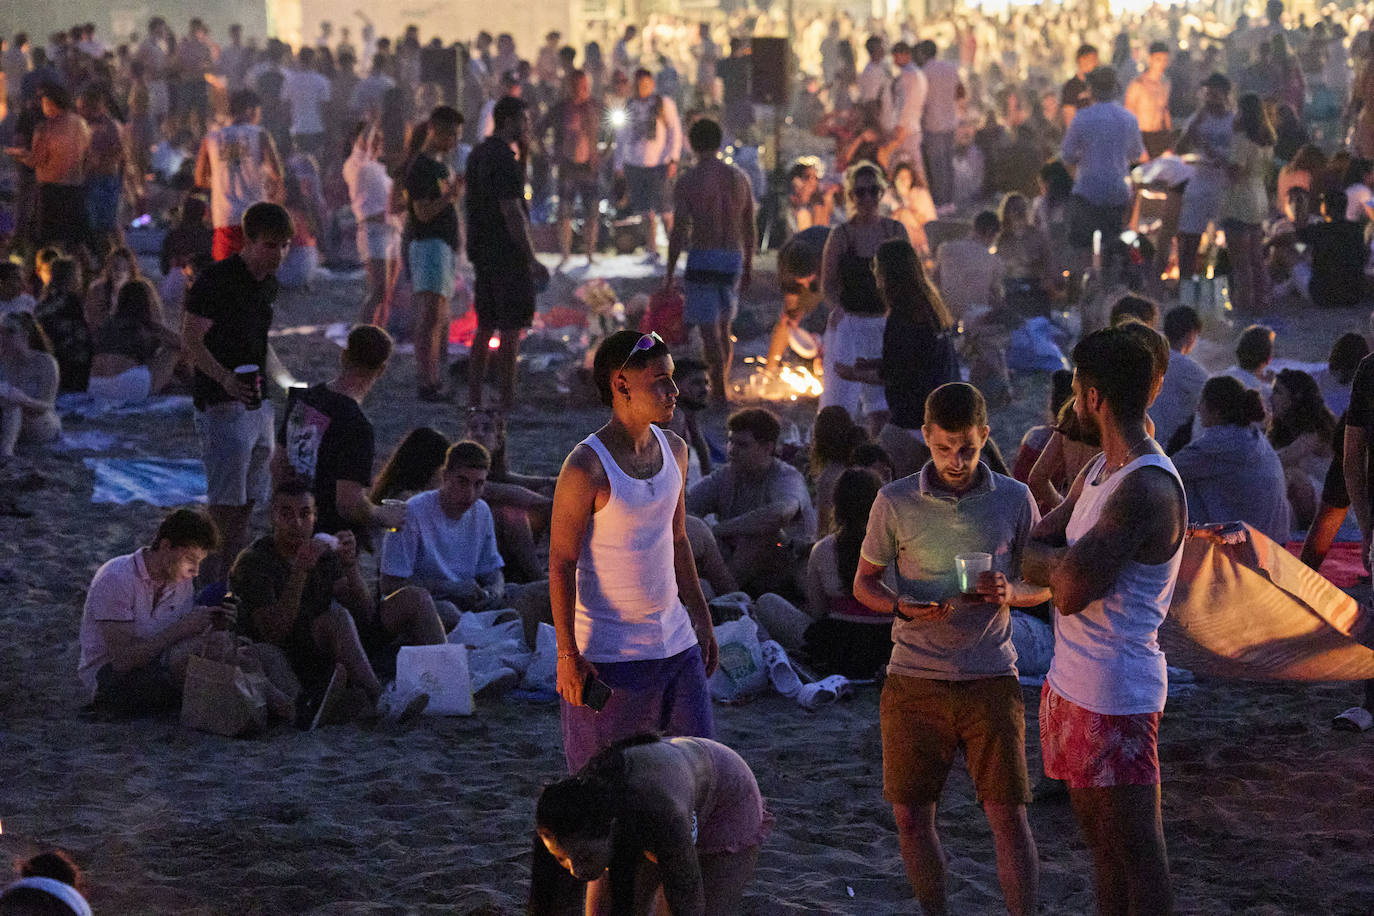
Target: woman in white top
(913,206)
(28,384)
(369,195)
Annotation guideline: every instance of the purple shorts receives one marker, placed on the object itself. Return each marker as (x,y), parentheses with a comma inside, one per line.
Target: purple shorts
(666,695)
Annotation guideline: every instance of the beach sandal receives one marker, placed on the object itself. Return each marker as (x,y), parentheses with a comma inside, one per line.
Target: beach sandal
(842,686)
(814,696)
(1354,719)
(780,671)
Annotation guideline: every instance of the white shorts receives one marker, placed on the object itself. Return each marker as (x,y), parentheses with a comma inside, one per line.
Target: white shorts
(131,386)
(236,446)
(848,339)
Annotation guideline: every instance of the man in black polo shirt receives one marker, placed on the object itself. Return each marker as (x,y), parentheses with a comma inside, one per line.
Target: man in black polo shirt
(327,440)
(228,313)
(500,248)
(432,226)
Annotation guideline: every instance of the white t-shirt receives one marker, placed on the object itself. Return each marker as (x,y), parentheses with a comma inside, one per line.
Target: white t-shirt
(307,91)
(124,592)
(433,546)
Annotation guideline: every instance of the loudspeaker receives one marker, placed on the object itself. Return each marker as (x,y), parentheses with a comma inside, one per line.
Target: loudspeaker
(769,58)
(440,65)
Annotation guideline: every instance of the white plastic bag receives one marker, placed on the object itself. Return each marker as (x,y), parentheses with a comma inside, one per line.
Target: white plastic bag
(542,672)
(440,671)
(741,672)
(487,628)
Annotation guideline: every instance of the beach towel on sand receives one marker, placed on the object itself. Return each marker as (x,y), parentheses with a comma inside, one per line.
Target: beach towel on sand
(158,481)
(1251,610)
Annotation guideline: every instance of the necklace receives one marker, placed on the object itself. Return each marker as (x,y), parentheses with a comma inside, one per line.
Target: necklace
(1110,469)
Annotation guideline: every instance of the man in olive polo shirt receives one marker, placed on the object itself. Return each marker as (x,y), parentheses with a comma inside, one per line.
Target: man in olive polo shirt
(952,678)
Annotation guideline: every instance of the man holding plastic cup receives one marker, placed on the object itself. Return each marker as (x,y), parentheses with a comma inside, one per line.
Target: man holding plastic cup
(952,679)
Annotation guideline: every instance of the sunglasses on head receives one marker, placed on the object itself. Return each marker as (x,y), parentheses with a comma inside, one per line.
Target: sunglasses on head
(647,342)
(868,190)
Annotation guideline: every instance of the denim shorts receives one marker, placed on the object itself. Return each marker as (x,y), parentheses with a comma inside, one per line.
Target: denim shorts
(432,267)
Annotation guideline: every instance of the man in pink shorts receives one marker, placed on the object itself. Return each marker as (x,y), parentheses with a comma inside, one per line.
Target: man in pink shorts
(1111,554)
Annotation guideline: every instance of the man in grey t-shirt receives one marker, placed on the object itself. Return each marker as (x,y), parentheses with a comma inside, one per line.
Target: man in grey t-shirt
(952,679)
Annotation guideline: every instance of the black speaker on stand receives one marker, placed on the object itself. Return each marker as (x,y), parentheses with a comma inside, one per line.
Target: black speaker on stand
(769,58)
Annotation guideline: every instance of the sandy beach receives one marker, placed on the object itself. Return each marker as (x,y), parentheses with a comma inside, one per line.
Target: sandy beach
(1266,809)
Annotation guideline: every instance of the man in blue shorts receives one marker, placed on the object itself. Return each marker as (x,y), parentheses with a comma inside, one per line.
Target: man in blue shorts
(715,217)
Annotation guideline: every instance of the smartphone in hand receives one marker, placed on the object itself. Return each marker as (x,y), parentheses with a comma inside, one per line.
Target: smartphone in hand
(595,692)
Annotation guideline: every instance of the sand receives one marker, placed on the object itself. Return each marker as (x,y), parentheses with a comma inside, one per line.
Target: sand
(1266,809)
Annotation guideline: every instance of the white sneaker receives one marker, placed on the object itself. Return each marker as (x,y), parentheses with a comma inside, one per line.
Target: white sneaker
(779,668)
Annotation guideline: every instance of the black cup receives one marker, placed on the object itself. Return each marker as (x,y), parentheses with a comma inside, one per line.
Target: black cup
(250,376)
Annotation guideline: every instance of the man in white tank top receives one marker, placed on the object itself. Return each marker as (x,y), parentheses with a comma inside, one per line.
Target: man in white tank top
(239,165)
(1111,554)
(628,609)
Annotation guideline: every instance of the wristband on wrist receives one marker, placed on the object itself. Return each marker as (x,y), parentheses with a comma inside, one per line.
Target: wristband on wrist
(568,653)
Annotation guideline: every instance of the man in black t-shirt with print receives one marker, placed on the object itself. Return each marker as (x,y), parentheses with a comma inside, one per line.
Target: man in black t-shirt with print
(432,227)
(500,248)
(327,440)
(228,314)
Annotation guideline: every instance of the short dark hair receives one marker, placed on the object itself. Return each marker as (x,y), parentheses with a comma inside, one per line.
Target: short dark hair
(1153,341)
(446,116)
(243,102)
(1103,83)
(266,220)
(619,352)
(955,406)
(293,484)
(705,136)
(901,47)
(1119,366)
(641,73)
(1255,347)
(873,45)
(1158,47)
(56,94)
(1232,402)
(1346,354)
(507,108)
(1138,307)
(927,48)
(986,223)
(467,454)
(1179,322)
(368,348)
(757,421)
(187,528)
(1335,203)
(1084,51)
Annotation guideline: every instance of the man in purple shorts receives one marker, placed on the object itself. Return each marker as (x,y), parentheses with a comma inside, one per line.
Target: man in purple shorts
(619,524)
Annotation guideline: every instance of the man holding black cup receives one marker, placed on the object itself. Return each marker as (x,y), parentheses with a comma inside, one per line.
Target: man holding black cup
(228,314)
(952,679)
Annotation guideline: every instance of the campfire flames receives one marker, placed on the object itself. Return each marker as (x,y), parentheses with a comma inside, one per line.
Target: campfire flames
(786,384)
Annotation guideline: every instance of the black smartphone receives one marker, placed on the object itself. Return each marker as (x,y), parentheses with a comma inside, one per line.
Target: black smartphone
(595,693)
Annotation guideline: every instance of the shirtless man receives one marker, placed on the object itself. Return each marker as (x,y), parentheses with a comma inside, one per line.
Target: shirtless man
(1147,97)
(715,216)
(1111,554)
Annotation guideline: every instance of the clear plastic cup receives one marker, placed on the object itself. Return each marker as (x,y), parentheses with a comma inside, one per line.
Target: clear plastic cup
(969,566)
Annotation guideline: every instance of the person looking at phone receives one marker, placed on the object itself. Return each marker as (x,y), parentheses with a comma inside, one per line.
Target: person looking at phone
(619,524)
(951,682)
(141,622)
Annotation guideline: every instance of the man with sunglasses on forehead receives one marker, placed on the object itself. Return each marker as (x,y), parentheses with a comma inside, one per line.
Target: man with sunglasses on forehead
(619,525)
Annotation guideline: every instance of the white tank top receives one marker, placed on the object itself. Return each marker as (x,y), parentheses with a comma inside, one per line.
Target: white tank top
(236,175)
(627,602)
(1107,657)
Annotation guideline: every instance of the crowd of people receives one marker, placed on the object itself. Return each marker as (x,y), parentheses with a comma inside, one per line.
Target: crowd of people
(902,546)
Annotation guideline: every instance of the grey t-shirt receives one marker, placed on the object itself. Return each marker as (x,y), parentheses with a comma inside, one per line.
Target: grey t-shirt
(728,494)
(920,529)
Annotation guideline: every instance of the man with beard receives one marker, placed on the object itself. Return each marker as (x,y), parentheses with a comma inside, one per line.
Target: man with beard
(693,392)
(1111,554)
